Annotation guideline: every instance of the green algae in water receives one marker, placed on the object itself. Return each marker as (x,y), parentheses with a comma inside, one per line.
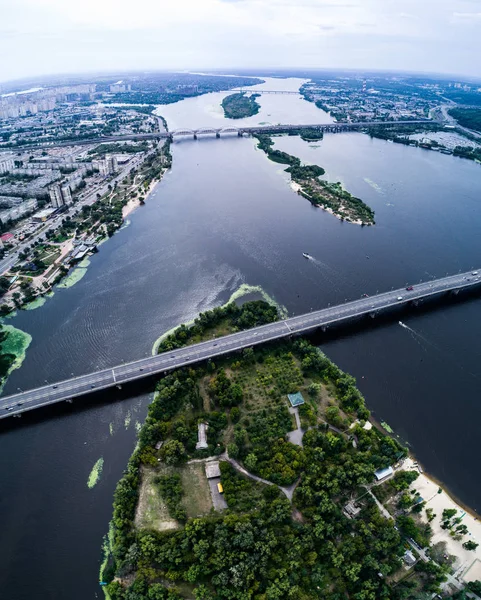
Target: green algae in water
(37,303)
(95,473)
(128,419)
(243,290)
(111,428)
(74,277)
(16,343)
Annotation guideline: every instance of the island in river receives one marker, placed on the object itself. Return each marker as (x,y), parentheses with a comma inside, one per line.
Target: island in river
(261,476)
(238,106)
(332,197)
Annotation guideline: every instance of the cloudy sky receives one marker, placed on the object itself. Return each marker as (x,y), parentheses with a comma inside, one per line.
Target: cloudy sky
(63,36)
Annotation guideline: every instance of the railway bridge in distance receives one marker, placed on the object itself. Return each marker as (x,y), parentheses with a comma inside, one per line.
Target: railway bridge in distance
(83,385)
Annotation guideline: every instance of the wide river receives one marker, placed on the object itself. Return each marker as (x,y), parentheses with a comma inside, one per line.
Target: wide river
(225,216)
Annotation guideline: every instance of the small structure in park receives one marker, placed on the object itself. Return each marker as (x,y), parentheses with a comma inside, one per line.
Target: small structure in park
(383,473)
(296,399)
(351,510)
(409,558)
(202,437)
(212,469)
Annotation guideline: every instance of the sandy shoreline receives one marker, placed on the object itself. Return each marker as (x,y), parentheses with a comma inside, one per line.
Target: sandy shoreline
(296,187)
(134,202)
(467,566)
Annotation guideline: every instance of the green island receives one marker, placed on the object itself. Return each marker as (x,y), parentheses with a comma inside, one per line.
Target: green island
(329,196)
(234,492)
(237,106)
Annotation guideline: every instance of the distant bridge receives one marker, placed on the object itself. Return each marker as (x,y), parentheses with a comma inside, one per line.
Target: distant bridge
(251,91)
(218,131)
(167,361)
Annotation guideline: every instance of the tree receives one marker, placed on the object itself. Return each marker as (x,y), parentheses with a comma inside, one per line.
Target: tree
(251,461)
(470,545)
(172,452)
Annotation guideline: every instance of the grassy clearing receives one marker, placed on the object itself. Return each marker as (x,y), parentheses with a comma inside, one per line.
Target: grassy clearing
(152,512)
(197,500)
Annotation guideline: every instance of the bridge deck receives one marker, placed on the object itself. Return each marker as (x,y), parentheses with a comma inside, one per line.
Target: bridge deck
(191,132)
(107,378)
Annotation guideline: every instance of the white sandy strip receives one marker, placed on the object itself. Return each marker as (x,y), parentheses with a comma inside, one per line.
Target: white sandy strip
(467,560)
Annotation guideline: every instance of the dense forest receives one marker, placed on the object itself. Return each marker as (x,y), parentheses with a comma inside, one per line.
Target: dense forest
(285,534)
(467,117)
(238,106)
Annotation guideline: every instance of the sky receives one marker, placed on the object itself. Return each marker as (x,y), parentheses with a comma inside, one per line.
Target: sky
(40,37)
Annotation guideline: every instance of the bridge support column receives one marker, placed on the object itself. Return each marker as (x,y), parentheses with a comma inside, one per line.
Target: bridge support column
(69,401)
(217,134)
(372,315)
(118,386)
(240,134)
(195,136)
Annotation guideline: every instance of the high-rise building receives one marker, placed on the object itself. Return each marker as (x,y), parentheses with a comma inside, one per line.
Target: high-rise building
(60,195)
(6,164)
(66,194)
(113,164)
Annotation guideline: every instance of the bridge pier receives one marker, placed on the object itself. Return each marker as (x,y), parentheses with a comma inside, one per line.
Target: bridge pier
(240,133)
(217,134)
(69,401)
(195,136)
(372,315)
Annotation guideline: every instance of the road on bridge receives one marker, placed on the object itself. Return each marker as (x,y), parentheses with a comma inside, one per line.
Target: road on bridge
(161,363)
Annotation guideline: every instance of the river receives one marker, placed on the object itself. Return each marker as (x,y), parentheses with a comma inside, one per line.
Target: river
(225,216)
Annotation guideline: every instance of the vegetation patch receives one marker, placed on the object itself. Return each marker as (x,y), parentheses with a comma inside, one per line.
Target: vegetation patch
(95,473)
(74,277)
(13,347)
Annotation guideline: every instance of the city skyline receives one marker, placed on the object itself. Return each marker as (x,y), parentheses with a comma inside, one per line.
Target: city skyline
(51,37)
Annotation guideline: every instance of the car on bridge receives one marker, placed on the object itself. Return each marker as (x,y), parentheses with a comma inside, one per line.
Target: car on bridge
(409,288)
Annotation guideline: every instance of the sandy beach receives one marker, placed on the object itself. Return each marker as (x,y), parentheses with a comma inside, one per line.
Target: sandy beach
(134,202)
(468,563)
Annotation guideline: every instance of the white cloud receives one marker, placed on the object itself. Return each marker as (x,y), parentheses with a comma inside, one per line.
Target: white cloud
(41,36)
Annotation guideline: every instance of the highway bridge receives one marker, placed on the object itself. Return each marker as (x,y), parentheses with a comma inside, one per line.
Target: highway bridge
(219,131)
(167,361)
(251,91)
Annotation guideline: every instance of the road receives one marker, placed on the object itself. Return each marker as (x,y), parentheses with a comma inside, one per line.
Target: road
(161,363)
(9,261)
(279,128)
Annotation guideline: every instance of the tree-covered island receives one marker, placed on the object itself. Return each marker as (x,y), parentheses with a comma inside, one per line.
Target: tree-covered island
(329,196)
(238,106)
(232,493)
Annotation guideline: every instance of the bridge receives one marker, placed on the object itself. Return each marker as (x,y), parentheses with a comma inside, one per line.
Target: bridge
(68,389)
(219,131)
(251,91)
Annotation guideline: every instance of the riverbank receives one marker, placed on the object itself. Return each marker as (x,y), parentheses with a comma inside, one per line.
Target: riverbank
(467,566)
(331,197)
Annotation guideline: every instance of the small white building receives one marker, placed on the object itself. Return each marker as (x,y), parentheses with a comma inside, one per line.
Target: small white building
(202,437)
